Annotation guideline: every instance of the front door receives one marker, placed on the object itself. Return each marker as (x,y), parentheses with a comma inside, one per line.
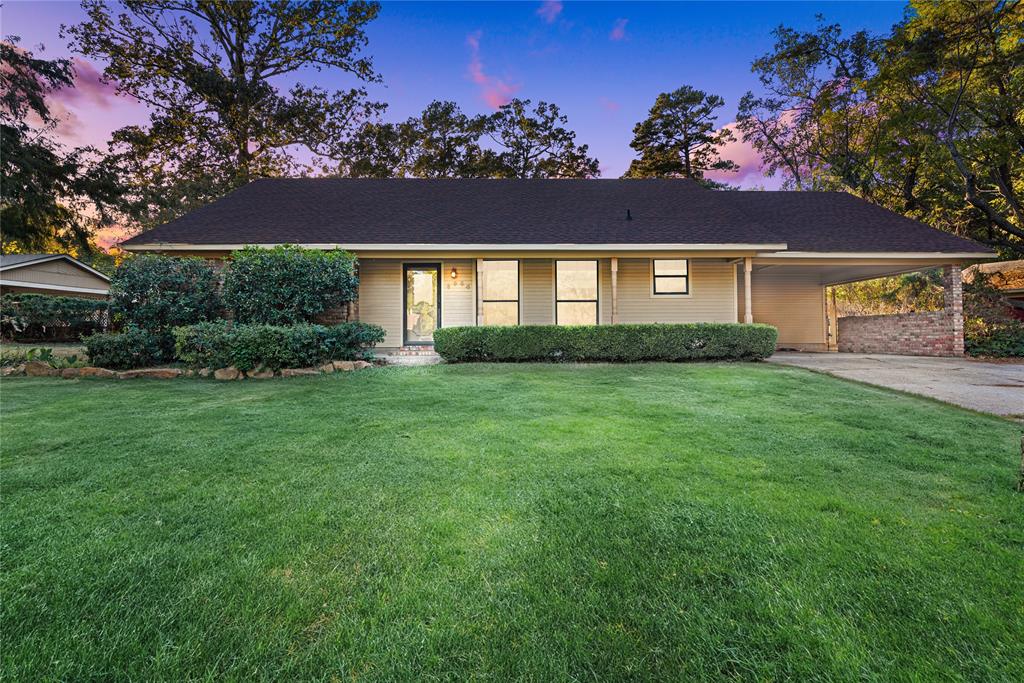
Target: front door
(422,297)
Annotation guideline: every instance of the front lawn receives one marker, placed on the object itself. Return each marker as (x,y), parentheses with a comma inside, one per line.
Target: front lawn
(728,521)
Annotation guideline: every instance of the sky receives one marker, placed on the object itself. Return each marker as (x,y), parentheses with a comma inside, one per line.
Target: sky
(602,63)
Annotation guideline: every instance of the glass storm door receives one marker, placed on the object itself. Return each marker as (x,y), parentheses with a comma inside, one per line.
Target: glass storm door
(422,302)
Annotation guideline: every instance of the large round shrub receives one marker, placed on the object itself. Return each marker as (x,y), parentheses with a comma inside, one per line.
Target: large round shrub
(287,284)
(133,348)
(157,293)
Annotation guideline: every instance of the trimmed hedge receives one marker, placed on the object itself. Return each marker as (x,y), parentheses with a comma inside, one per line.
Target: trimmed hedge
(39,317)
(247,347)
(132,348)
(607,343)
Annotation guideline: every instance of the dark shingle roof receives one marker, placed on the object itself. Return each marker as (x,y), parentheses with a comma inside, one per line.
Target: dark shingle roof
(841,222)
(463,211)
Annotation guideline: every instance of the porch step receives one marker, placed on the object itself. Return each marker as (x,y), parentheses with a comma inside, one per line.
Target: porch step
(415,351)
(432,359)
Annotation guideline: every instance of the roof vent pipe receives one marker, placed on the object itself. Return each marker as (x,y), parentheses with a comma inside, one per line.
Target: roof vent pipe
(629,216)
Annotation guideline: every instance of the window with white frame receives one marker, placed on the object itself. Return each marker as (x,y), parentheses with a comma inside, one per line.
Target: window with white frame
(499,292)
(576,292)
(671,277)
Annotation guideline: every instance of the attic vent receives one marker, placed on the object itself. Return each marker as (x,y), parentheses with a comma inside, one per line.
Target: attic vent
(629,216)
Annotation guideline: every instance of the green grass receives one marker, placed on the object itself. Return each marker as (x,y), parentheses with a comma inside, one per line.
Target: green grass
(673,522)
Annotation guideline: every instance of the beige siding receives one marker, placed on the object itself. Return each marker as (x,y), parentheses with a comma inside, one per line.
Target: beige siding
(791,299)
(711,299)
(537,291)
(380,297)
(458,296)
(58,273)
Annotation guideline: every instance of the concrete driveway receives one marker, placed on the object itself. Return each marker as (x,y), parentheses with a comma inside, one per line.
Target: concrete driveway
(987,387)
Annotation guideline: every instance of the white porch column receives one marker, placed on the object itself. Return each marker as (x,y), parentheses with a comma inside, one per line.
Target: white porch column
(615,289)
(748,313)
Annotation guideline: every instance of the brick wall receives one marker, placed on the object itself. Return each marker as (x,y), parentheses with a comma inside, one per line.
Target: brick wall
(932,333)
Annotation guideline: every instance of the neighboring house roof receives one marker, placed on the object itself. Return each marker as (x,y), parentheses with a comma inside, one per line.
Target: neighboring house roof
(1006,275)
(10,262)
(352,212)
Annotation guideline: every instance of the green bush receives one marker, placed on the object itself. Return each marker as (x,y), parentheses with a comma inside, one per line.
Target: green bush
(37,317)
(998,340)
(610,343)
(132,348)
(248,347)
(158,293)
(287,285)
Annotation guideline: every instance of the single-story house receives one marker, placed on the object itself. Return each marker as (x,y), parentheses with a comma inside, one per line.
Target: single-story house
(440,253)
(53,274)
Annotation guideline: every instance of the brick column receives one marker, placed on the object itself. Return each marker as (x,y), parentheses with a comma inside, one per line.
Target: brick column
(953,305)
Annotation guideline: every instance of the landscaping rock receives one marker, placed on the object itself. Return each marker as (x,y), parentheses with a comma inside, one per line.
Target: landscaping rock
(327,367)
(299,372)
(344,365)
(96,372)
(361,364)
(13,370)
(205,372)
(262,373)
(70,373)
(154,373)
(228,373)
(37,368)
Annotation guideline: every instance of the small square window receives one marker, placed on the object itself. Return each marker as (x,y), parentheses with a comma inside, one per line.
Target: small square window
(671,277)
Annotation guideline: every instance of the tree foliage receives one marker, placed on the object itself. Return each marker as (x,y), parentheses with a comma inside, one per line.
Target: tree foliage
(925,121)
(207,70)
(536,143)
(678,139)
(443,142)
(53,198)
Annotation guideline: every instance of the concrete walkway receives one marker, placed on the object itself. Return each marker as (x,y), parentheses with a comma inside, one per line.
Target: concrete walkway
(987,387)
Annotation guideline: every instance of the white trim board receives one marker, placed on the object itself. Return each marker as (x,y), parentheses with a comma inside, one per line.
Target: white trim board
(58,288)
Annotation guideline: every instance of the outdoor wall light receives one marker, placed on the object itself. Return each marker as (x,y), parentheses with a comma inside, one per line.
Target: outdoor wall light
(455,274)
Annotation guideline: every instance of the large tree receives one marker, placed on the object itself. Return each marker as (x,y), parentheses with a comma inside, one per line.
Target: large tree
(209,70)
(537,144)
(678,139)
(443,142)
(53,197)
(925,121)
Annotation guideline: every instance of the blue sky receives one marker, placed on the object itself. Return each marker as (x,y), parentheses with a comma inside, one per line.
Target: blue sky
(603,63)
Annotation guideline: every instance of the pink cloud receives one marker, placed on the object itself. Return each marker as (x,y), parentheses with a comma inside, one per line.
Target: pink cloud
(112,235)
(549,10)
(609,105)
(743,154)
(494,91)
(618,30)
(89,89)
